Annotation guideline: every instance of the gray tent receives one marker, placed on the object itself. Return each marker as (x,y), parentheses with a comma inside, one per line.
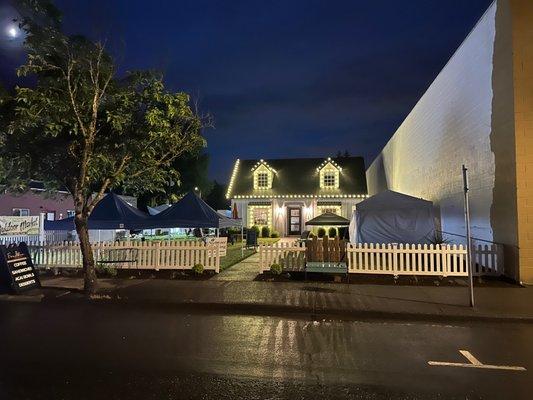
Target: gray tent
(392,217)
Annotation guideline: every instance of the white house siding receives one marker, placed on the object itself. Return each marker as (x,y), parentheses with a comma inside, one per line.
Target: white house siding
(310,209)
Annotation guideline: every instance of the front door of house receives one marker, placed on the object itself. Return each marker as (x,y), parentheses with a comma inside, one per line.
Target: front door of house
(294,222)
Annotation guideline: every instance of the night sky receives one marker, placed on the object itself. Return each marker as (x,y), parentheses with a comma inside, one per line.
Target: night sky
(282,78)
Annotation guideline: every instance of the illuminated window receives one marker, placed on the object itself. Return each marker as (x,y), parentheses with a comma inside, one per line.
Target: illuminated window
(329,209)
(263,177)
(262,180)
(329,179)
(329,175)
(260,216)
(70,213)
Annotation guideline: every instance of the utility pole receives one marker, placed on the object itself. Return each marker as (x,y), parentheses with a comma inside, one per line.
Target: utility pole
(468,237)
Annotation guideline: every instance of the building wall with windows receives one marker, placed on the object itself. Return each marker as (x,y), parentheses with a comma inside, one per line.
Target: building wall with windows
(35,202)
(477,112)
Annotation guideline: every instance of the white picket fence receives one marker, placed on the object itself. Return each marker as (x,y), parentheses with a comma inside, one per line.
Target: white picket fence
(173,255)
(415,259)
(290,255)
(48,236)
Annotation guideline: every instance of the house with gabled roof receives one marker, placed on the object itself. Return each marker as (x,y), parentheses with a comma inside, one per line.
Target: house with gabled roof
(285,193)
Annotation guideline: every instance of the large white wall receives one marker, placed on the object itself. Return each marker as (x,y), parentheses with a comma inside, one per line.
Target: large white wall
(450,125)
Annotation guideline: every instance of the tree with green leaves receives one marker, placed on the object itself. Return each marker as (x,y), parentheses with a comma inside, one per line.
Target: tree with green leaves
(217,197)
(193,169)
(83,128)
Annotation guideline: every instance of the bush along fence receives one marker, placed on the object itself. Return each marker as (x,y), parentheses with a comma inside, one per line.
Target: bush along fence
(168,255)
(388,259)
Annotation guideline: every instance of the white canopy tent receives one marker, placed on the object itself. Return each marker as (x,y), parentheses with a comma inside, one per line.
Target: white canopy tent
(392,217)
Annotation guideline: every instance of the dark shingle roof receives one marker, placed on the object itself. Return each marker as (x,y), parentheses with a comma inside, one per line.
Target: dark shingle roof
(299,176)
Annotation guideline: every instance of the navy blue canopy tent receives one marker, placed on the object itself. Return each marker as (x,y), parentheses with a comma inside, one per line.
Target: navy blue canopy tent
(191,212)
(112,212)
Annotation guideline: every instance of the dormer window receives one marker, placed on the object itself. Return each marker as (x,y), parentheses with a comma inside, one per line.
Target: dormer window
(329,174)
(329,180)
(262,180)
(263,175)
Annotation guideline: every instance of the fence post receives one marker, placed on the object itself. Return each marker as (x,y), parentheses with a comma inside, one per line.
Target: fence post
(395,260)
(41,227)
(157,255)
(217,257)
(260,258)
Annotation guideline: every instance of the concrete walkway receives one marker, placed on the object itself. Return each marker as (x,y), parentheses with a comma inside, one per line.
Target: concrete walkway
(246,270)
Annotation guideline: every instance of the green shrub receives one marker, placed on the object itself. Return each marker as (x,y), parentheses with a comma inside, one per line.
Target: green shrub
(106,269)
(274,234)
(198,269)
(256,229)
(276,269)
(332,232)
(265,231)
(321,232)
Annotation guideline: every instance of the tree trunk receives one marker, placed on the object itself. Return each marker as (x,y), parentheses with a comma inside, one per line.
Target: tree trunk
(89,271)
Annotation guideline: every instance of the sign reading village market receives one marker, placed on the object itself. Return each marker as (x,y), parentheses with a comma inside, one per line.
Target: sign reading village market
(17,269)
(19,225)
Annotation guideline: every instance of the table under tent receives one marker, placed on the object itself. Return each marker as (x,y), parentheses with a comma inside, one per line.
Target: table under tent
(191,212)
(390,217)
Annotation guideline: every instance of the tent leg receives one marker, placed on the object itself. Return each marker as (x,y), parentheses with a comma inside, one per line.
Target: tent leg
(242,240)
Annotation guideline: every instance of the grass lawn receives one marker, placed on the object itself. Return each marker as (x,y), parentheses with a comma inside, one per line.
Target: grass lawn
(233,255)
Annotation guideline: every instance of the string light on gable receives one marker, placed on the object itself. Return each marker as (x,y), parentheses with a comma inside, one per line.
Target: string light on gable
(327,161)
(232,180)
(263,162)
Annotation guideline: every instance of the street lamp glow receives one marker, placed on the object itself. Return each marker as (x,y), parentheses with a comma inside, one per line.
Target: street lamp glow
(12,32)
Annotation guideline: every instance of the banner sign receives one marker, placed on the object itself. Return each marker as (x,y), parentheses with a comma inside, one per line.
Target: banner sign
(16,267)
(10,226)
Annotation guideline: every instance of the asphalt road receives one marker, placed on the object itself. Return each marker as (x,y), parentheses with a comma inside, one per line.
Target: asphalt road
(72,351)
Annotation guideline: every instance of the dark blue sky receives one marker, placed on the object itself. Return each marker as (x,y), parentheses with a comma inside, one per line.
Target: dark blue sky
(283,78)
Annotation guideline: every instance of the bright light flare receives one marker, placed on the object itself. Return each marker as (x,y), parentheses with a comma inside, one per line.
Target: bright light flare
(12,32)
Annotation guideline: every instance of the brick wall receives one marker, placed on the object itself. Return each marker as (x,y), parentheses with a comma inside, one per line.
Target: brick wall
(522,11)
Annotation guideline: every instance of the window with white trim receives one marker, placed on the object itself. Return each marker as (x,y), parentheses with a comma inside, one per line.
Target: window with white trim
(262,180)
(21,212)
(329,176)
(329,179)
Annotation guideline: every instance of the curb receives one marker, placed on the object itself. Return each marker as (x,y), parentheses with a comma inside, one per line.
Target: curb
(306,312)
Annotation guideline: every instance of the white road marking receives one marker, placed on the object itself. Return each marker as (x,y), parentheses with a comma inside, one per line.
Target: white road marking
(63,294)
(474,363)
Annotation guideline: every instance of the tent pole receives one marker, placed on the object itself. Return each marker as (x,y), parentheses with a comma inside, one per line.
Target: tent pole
(242,240)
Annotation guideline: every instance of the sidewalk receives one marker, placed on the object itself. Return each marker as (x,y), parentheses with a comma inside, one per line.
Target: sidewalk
(310,299)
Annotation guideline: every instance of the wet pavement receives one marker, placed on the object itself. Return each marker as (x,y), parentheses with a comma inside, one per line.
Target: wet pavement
(111,351)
